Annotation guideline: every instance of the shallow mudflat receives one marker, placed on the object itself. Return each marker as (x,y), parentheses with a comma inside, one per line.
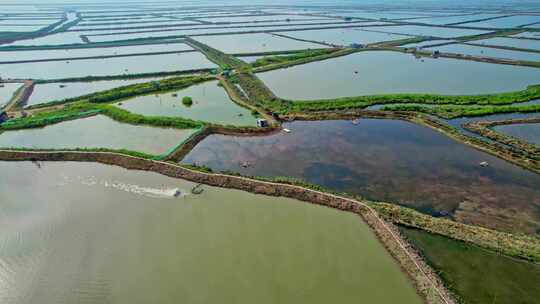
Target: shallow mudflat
(387,160)
(210,104)
(82,232)
(383,72)
(96,132)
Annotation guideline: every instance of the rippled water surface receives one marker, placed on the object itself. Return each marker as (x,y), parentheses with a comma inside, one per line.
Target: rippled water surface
(89,233)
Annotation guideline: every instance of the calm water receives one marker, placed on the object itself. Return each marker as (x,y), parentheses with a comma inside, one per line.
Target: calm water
(417,30)
(391,161)
(506,22)
(517,43)
(210,103)
(96,132)
(6,92)
(454,19)
(248,43)
(89,233)
(383,72)
(477,275)
(47,92)
(526,132)
(344,36)
(105,67)
(70,53)
(487,52)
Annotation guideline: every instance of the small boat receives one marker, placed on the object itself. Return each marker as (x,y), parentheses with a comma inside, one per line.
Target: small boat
(177,193)
(484,164)
(286,130)
(355,121)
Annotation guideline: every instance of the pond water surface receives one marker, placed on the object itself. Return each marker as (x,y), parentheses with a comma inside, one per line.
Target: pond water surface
(90,233)
(527,132)
(96,132)
(210,103)
(384,72)
(6,92)
(387,160)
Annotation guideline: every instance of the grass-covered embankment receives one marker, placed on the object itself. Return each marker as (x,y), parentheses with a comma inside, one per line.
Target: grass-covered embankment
(456,111)
(85,109)
(359,102)
(514,245)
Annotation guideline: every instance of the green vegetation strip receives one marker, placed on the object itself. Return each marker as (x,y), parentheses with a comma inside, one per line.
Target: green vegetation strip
(455,111)
(359,102)
(520,246)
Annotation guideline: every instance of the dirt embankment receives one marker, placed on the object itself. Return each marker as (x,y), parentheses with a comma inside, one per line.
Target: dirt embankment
(427,283)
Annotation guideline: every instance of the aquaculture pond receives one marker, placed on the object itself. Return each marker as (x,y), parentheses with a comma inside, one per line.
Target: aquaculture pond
(90,52)
(506,22)
(511,42)
(96,132)
(526,132)
(344,36)
(417,30)
(444,20)
(476,275)
(387,160)
(90,233)
(249,43)
(46,92)
(487,52)
(106,67)
(6,92)
(368,72)
(209,103)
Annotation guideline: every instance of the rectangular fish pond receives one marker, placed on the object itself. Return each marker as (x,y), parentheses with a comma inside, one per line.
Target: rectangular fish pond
(106,67)
(7,90)
(210,103)
(83,232)
(96,132)
(527,132)
(386,72)
(387,160)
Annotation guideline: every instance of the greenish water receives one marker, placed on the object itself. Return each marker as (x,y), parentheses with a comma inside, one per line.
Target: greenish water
(441,20)
(47,92)
(89,52)
(210,103)
(477,275)
(344,36)
(387,160)
(249,43)
(105,67)
(384,72)
(487,52)
(90,233)
(6,92)
(96,132)
(526,132)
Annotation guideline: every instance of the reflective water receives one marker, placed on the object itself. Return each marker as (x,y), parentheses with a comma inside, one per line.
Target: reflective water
(526,132)
(96,132)
(89,233)
(210,103)
(387,160)
(384,72)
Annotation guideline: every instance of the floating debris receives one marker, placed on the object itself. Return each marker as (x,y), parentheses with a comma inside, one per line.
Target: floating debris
(197,189)
(355,121)
(245,164)
(484,164)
